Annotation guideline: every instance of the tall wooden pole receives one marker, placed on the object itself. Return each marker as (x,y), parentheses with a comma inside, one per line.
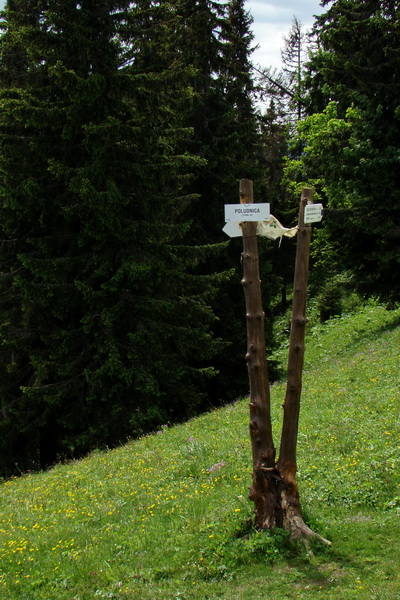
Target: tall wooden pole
(286,465)
(287,455)
(263,450)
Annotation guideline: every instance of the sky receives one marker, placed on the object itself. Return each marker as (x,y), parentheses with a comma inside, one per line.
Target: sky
(273,20)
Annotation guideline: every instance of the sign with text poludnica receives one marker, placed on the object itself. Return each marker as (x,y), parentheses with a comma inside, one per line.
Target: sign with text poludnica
(247,212)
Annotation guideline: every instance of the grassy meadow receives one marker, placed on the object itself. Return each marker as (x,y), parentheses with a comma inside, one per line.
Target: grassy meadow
(167,516)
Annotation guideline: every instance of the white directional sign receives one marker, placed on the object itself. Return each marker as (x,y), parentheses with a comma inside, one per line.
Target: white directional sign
(233,229)
(247,212)
(313,213)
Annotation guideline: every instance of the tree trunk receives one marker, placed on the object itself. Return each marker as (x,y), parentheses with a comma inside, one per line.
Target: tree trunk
(287,465)
(263,485)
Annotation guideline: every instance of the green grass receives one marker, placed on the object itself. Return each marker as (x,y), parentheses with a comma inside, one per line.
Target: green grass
(166,516)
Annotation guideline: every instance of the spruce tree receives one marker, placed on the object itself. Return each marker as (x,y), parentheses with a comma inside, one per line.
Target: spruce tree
(294,55)
(285,87)
(216,42)
(105,324)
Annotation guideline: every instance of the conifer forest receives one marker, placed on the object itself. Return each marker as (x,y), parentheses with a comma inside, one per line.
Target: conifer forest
(124,128)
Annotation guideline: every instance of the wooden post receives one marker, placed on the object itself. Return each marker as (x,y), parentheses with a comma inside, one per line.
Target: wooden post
(263,450)
(287,455)
(287,465)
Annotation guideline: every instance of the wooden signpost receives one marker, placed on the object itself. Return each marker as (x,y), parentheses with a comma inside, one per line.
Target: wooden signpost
(274,488)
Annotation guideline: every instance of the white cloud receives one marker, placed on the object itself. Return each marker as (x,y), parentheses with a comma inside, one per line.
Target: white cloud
(266,12)
(280,10)
(273,20)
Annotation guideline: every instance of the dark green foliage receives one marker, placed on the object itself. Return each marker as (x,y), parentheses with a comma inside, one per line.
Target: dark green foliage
(358,54)
(330,300)
(125,128)
(105,323)
(352,144)
(216,42)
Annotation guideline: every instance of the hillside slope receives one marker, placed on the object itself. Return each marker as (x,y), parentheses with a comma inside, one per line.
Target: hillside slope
(166,516)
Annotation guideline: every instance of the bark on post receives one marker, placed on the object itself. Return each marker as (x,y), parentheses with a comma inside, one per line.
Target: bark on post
(291,406)
(263,450)
(287,465)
